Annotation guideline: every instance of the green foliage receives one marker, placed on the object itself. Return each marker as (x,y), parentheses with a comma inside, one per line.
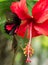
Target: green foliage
(30,4)
(2,0)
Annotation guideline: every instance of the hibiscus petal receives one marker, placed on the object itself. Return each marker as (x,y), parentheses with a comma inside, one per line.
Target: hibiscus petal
(35,32)
(40,11)
(21,31)
(20,9)
(42,28)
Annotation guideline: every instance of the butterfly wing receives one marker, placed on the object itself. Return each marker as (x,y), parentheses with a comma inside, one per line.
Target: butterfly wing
(10,28)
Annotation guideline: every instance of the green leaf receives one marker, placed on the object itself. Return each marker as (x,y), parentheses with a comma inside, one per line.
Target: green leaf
(6,0)
(30,4)
(2,0)
(2,19)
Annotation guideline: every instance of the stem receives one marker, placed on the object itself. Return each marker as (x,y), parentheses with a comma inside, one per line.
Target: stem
(14,46)
(13,59)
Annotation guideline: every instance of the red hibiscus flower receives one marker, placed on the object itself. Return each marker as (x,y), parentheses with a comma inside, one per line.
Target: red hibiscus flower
(39,18)
(37,24)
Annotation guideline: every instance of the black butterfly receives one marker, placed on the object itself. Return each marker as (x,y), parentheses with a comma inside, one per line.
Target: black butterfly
(11,26)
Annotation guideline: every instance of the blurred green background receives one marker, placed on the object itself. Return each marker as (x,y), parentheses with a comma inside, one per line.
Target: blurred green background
(7,54)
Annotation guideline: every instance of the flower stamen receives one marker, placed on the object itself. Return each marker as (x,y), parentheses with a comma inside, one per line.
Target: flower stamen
(28,50)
